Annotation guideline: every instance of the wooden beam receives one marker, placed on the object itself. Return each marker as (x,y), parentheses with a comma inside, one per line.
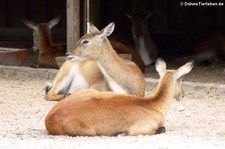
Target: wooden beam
(73,22)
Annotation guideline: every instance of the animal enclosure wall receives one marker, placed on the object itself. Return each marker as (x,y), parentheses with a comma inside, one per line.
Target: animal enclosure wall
(174,28)
(12,30)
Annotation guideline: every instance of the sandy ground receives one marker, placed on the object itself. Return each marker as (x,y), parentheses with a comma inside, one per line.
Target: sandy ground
(198,121)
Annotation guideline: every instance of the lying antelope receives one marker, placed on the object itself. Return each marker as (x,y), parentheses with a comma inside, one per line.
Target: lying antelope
(43,41)
(122,76)
(76,75)
(90,113)
(144,44)
(211,48)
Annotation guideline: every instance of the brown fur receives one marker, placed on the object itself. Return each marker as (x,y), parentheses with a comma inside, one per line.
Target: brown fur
(48,52)
(90,113)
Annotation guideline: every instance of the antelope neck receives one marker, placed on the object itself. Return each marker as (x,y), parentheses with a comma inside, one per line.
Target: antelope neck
(164,93)
(45,40)
(116,71)
(110,66)
(110,61)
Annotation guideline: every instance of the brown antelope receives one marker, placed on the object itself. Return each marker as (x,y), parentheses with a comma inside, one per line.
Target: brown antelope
(122,76)
(74,76)
(144,44)
(43,41)
(90,113)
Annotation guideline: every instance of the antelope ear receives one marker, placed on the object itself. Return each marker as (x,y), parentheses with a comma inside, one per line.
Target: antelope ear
(183,70)
(53,22)
(104,33)
(146,17)
(91,28)
(160,66)
(29,24)
(129,16)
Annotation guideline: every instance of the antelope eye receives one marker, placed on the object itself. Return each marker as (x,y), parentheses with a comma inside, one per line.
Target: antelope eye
(181,80)
(85,42)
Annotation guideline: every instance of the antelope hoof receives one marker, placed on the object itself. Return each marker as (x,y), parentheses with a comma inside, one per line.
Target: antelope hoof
(160,130)
(47,89)
(68,94)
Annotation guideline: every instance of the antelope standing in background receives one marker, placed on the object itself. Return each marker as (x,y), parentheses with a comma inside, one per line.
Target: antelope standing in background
(122,76)
(42,39)
(91,113)
(144,44)
(77,75)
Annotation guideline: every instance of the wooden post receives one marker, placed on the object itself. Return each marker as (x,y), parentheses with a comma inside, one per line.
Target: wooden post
(73,22)
(84,17)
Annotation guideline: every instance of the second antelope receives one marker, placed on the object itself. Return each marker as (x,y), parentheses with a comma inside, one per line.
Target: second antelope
(122,76)
(143,41)
(90,113)
(43,41)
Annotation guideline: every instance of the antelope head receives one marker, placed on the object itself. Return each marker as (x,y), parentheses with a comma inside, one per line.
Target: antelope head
(91,45)
(138,20)
(42,28)
(177,76)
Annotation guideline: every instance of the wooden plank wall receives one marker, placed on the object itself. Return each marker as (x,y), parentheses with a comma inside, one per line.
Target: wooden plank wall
(12,29)
(168,16)
(37,10)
